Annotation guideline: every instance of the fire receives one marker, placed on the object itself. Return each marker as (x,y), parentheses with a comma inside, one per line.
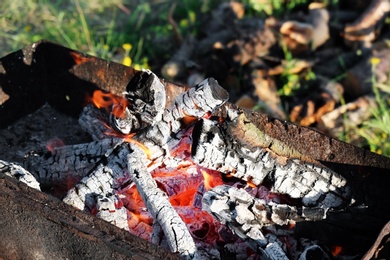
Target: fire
(183,184)
(109,101)
(117,106)
(183,199)
(211,180)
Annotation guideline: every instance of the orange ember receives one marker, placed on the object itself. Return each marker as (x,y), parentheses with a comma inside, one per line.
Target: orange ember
(251,184)
(78,59)
(184,198)
(211,179)
(109,101)
(336,250)
(54,143)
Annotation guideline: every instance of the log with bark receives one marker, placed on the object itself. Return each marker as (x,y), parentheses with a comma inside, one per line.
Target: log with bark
(36,225)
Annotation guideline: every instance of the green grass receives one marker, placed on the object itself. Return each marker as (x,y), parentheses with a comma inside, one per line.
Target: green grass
(376,130)
(100,28)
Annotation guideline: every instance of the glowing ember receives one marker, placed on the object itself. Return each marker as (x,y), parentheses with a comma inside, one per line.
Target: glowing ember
(78,58)
(336,250)
(211,179)
(53,143)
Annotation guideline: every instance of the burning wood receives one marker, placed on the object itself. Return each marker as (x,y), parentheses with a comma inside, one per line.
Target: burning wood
(250,155)
(157,137)
(80,160)
(246,215)
(174,228)
(158,159)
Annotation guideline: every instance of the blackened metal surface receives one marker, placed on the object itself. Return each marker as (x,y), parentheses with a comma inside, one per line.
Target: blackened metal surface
(48,72)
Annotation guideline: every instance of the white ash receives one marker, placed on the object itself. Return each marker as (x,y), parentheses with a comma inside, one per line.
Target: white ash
(18,172)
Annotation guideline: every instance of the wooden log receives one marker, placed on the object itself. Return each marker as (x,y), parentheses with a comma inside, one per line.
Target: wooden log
(105,178)
(71,162)
(178,236)
(36,225)
(246,215)
(234,152)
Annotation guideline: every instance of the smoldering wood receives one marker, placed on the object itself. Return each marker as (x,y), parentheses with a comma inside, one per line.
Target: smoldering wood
(19,173)
(246,215)
(290,131)
(105,178)
(229,153)
(109,208)
(71,162)
(203,98)
(26,214)
(196,102)
(178,236)
(147,97)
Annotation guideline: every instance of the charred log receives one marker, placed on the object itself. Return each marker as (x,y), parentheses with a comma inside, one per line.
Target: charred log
(178,236)
(229,153)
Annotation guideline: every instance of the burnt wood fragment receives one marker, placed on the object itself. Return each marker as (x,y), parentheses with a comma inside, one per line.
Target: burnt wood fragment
(178,236)
(68,163)
(238,148)
(19,173)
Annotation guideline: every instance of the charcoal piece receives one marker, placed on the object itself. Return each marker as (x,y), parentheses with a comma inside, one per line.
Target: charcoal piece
(178,236)
(19,173)
(226,148)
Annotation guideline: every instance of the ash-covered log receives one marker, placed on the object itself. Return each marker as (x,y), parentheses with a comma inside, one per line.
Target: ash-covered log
(238,148)
(178,236)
